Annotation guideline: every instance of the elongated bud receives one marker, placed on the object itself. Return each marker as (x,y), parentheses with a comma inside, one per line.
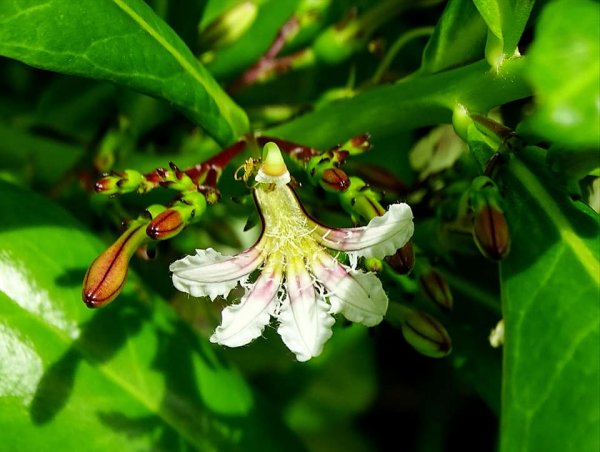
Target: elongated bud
(403,260)
(229,26)
(360,201)
(166,225)
(107,185)
(436,288)
(338,42)
(323,170)
(107,274)
(490,228)
(171,222)
(491,233)
(334,179)
(120,182)
(358,144)
(426,334)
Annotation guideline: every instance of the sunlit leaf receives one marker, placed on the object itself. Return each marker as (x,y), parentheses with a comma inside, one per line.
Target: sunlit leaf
(131,376)
(123,42)
(550,290)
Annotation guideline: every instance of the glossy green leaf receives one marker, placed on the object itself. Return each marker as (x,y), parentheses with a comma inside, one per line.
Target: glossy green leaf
(564,69)
(131,376)
(121,41)
(415,102)
(459,38)
(550,289)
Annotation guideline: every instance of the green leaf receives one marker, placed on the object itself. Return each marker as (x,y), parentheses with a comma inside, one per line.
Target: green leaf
(124,42)
(506,20)
(564,70)
(412,103)
(550,288)
(459,38)
(131,376)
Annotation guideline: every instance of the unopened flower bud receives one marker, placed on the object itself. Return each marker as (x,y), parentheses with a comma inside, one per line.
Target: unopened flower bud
(107,274)
(360,201)
(334,179)
(490,229)
(358,144)
(436,288)
(373,264)
(229,26)
(131,181)
(426,335)
(166,225)
(121,182)
(491,233)
(107,185)
(171,222)
(403,260)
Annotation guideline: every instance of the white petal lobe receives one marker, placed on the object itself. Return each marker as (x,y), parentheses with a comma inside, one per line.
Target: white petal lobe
(305,321)
(381,237)
(357,295)
(211,274)
(243,322)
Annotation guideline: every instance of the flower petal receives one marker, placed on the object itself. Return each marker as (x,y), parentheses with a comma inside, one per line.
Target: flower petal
(305,321)
(211,274)
(357,295)
(381,237)
(245,321)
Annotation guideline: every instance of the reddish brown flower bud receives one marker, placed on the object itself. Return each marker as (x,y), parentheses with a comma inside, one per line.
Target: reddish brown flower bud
(491,233)
(107,185)
(426,335)
(107,274)
(166,225)
(436,288)
(403,260)
(334,179)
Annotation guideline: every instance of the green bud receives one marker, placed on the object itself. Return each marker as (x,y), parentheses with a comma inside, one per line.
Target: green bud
(106,276)
(360,201)
(373,264)
(229,26)
(426,335)
(358,144)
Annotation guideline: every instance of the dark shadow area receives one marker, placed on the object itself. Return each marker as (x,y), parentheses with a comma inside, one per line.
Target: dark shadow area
(100,340)
(71,277)
(198,427)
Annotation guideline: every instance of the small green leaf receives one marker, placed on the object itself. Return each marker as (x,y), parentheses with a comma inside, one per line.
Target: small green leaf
(131,376)
(550,289)
(120,41)
(459,38)
(564,70)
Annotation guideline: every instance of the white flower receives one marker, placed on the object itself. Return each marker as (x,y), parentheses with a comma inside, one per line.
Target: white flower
(300,283)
